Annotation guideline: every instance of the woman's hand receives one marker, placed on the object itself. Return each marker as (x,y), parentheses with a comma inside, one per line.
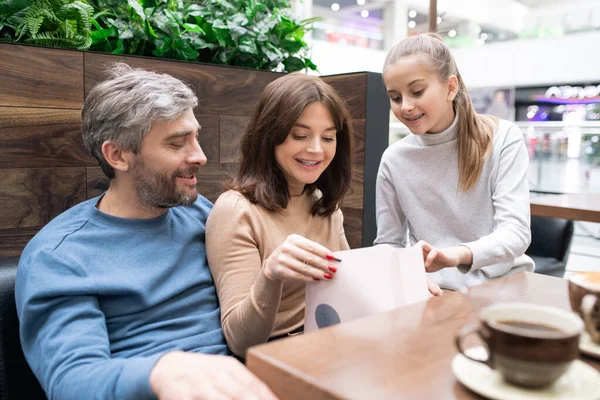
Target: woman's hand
(300,259)
(436,259)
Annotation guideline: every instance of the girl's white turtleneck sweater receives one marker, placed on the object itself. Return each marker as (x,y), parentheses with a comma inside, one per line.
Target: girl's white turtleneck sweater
(418,199)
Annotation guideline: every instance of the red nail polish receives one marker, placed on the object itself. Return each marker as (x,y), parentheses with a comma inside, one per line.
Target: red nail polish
(332,268)
(330,257)
(328,276)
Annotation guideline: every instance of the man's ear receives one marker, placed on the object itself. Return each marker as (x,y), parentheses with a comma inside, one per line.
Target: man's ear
(116,157)
(452,87)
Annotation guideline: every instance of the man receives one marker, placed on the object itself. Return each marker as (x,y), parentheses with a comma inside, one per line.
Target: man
(114,296)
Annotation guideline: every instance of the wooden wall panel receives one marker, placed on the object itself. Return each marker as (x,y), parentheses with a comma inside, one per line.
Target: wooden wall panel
(32,197)
(40,77)
(353,226)
(44,168)
(41,137)
(96,182)
(213,178)
(359,141)
(221,90)
(209,137)
(14,240)
(353,88)
(232,131)
(352,207)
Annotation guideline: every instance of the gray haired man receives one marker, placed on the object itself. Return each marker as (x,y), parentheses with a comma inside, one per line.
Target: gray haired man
(115,297)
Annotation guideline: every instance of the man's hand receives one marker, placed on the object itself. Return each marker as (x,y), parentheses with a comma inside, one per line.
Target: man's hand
(186,376)
(436,259)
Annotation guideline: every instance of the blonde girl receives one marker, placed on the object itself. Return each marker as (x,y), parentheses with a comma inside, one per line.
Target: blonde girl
(457,185)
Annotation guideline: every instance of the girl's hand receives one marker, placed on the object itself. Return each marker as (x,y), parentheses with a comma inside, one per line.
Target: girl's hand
(436,259)
(298,258)
(434,289)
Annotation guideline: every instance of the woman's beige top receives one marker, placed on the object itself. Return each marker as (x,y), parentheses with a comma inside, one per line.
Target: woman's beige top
(240,236)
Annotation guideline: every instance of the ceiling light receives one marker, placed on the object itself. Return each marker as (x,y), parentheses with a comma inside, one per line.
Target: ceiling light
(452,33)
(360,2)
(364,13)
(439,20)
(412,13)
(412,24)
(484,36)
(335,6)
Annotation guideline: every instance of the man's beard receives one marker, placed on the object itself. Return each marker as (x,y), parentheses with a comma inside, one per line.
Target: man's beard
(160,190)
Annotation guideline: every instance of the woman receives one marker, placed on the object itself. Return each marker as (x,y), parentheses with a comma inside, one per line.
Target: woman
(277,227)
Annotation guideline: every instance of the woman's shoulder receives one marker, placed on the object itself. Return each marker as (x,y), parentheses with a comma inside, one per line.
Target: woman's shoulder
(230,200)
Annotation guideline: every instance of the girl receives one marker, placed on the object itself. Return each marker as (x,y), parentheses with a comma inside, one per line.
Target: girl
(278,226)
(457,187)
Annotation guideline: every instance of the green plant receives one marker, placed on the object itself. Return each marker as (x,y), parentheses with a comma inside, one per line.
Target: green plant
(246,33)
(11,16)
(55,23)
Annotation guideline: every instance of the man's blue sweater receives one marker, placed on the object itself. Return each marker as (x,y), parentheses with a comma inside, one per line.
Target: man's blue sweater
(100,299)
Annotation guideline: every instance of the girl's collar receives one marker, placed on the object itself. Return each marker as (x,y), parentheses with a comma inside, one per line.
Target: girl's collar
(447,135)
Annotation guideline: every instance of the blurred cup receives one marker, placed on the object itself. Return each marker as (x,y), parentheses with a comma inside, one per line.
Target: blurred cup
(529,345)
(584,292)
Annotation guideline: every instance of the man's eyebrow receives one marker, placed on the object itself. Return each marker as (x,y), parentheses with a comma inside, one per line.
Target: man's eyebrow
(308,127)
(176,135)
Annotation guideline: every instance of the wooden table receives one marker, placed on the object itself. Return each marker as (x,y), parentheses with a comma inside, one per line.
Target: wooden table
(575,206)
(402,354)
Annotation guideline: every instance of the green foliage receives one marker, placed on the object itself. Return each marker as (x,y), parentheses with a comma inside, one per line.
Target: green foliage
(246,33)
(258,34)
(11,15)
(56,23)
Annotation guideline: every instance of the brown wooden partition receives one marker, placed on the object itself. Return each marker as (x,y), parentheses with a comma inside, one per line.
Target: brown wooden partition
(44,168)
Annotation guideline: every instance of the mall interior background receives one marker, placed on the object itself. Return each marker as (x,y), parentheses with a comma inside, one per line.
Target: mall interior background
(535,62)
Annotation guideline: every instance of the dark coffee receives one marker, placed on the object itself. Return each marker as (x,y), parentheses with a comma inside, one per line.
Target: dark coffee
(530,326)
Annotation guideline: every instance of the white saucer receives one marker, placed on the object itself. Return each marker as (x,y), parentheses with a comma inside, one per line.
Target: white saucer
(581,381)
(588,346)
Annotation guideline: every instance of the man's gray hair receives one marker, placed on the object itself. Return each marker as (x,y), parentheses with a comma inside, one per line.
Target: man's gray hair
(123,108)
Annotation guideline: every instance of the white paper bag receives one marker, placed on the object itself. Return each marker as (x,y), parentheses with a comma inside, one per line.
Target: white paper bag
(369,280)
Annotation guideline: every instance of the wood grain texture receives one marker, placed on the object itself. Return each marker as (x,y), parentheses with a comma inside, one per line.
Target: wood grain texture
(221,90)
(353,223)
(14,240)
(96,182)
(353,89)
(358,126)
(211,180)
(232,131)
(32,197)
(209,137)
(402,354)
(352,207)
(40,77)
(41,137)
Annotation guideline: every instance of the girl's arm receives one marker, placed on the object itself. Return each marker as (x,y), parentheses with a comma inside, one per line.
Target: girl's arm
(511,236)
(391,221)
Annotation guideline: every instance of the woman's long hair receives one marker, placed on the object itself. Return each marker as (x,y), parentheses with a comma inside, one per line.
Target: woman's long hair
(282,102)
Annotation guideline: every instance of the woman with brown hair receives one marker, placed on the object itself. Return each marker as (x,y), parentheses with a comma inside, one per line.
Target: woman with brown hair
(277,227)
